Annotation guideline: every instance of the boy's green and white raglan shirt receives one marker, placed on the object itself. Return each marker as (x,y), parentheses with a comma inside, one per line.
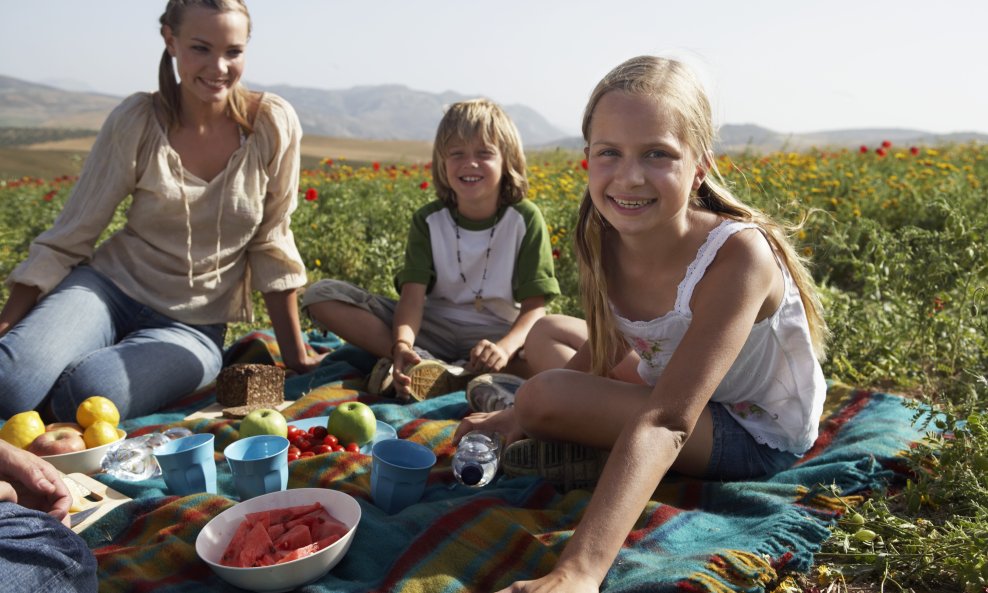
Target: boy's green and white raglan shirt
(519,266)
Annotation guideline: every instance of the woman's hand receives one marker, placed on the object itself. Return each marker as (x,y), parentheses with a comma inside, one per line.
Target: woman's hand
(32,482)
(487,356)
(306,363)
(503,422)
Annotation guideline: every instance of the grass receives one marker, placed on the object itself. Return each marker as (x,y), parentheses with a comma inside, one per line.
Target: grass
(897,238)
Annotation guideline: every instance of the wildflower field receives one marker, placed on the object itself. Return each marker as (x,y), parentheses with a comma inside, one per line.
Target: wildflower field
(897,238)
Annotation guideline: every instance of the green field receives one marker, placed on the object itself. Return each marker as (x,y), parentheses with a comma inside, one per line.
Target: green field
(898,240)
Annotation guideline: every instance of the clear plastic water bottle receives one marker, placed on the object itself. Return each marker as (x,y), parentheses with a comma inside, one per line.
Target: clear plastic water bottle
(476,459)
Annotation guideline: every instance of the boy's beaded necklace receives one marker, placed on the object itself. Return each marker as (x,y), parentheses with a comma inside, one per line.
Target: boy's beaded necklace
(478,295)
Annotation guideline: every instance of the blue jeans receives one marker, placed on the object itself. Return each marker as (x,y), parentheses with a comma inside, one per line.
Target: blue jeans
(86,337)
(37,553)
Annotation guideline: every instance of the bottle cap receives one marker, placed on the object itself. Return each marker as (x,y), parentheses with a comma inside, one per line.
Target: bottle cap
(471,475)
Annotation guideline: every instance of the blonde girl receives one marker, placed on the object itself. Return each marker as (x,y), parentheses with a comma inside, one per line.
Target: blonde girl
(701,295)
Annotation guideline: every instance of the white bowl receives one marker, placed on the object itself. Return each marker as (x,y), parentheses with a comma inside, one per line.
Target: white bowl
(214,537)
(87,461)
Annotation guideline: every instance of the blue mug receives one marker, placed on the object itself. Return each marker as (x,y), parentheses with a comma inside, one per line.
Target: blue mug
(399,472)
(259,464)
(188,465)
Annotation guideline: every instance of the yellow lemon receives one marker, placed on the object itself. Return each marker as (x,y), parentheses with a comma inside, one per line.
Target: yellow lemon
(22,428)
(96,408)
(100,433)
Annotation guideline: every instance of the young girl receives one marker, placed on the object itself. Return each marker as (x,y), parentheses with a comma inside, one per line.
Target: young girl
(478,264)
(705,294)
(213,171)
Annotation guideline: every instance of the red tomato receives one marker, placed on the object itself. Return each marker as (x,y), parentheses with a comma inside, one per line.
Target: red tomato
(317,432)
(338,448)
(331,440)
(353,447)
(293,456)
(294,431)
(293,450)
(320,449)
(307,454)
(302,443)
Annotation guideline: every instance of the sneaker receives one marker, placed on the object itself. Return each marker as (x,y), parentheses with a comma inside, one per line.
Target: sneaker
(491,392)
(380,380)
(431,378)
(567,466)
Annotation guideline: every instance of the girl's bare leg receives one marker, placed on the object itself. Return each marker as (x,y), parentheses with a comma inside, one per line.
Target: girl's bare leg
(564,405)
(553,341)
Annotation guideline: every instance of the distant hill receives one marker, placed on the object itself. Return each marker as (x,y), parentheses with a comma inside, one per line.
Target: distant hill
(398,113)
(386,112)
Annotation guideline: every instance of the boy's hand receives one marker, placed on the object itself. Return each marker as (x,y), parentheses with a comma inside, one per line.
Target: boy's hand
(487,356)
(404,357)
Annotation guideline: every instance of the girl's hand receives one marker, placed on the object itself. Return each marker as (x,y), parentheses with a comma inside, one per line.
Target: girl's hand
(503,422)
(487,356)
(404,358)
(554,582)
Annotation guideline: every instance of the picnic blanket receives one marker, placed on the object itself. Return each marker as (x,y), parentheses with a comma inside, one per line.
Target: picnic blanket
(694,536)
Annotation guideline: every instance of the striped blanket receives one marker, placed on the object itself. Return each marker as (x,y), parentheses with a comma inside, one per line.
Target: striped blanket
(693,536)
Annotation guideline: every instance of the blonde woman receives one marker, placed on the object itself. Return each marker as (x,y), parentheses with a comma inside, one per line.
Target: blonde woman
(213,171)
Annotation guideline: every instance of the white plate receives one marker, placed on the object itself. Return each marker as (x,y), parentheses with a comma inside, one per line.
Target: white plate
(384,430)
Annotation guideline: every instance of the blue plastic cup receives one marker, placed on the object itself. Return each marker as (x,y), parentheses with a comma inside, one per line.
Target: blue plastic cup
(259,465)
(399,471)
(188,465)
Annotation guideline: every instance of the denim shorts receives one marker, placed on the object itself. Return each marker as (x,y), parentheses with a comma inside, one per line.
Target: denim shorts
(736,455)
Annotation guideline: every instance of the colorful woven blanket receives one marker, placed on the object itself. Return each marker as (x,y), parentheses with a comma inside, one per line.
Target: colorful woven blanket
(694,536)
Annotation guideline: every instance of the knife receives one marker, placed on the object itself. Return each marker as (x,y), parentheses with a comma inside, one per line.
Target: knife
(77,518)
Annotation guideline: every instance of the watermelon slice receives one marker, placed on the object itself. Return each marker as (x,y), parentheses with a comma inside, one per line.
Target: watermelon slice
(282,535)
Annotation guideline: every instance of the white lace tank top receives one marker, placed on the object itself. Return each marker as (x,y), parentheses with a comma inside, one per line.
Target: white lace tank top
(775,389)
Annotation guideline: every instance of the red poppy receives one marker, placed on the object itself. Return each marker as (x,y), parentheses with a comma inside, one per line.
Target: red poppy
(311,195)
(881,151)
(886,144)
(863,149)
(913,150)
(424,185)
(555,254)
(376,165)
(584,164)
(48,196)
(328,162)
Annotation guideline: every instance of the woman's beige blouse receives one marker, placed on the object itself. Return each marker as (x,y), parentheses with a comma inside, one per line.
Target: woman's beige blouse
(190,249)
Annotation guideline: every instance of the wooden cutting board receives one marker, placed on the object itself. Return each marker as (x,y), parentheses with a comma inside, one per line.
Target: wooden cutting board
(90,500)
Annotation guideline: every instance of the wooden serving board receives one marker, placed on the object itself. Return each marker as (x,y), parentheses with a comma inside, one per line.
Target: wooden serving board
(91,499)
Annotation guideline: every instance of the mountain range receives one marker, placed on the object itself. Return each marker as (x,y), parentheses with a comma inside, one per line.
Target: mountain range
(395,112)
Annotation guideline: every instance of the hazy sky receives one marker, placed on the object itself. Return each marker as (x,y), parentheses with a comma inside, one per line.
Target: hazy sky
(788,65)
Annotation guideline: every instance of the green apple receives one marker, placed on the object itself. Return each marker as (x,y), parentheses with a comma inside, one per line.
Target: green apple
(352,422)
(264,421)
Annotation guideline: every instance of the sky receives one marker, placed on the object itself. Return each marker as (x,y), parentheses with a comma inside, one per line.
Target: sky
(788,65)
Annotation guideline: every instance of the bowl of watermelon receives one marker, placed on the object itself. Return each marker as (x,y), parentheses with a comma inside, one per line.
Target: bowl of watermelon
(280,541)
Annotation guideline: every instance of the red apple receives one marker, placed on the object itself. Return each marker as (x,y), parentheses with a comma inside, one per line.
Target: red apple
(69,425)
(57,441)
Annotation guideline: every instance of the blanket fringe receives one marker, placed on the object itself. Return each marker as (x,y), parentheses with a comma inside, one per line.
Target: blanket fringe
(732,571)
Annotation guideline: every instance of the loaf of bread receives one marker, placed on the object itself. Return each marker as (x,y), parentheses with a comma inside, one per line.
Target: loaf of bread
(250,386)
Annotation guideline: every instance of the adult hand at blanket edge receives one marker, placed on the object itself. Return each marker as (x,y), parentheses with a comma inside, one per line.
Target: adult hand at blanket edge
(32,482)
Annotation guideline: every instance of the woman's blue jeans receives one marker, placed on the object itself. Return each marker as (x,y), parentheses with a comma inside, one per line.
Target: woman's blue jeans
(37,553)
(86,337)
